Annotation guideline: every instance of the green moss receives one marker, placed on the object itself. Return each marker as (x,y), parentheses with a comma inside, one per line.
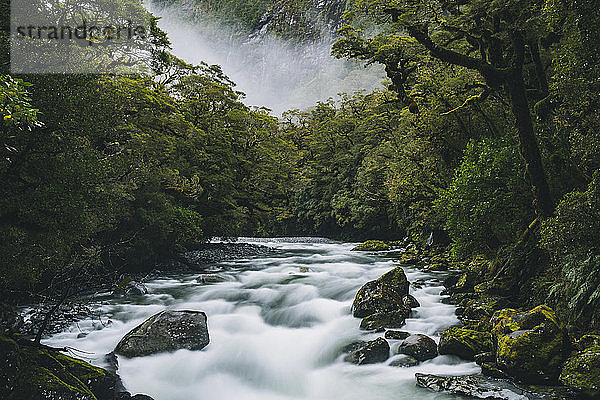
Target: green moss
(465,343)
(582,371)
(372,245)
(393,277)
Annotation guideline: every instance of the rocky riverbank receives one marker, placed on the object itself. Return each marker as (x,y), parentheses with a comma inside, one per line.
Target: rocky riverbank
(514,344)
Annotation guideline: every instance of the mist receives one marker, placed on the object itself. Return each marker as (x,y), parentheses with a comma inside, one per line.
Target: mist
(272,73)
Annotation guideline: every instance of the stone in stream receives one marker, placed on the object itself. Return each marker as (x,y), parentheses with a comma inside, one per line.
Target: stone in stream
(404,361)
(166,331)
(475,386)
(379,321)
(382,295)
(411,302)
(465,343)
(129,287)
(211,278)
(396,335)
(372,245)
(420,347)
(372,352)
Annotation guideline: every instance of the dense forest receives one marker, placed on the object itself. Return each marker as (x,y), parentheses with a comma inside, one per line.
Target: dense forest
(488,128)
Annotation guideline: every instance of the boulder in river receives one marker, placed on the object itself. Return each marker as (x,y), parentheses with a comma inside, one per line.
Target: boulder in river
(465,343)
(129,287)
(31,371)
(396,335)
(211,278)
(372,245)
(411,302)
(381,295)
(420,347)
(404,361)
(372,352)
(481,387)
(530,346)
(379,321)
(166,331)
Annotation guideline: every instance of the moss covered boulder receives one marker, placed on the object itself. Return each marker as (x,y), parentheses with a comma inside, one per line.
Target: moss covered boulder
(372,245)
(582,372)
(380,321)
(420,347)
(465,343)
(385,294)
(166,331)
(530,346)
(372,352)
(34,372)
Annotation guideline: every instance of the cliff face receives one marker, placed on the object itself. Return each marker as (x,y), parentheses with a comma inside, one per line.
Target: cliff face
(278,53)
(291,20)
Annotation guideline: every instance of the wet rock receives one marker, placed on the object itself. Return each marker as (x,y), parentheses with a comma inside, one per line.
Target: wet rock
(396,335)
(437,267)
(588,341)
(481,358)
(129,287)
(475,386)
(211,278)
(582,371)
(482,309)
(404,361)
(379,321)
(372,245)
(411,302)
(209,253)
(33,372)
(420,347)
(464,343)
(531,346)
(451,281)
(166,331)
(382,295)
(353,346)
(372,352)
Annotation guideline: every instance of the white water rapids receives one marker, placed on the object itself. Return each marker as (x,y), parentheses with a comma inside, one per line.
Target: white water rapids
(276,332)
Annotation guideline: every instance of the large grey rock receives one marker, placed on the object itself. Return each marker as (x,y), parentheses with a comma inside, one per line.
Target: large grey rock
(372,352)
(166,331)
(420,347)
(480,387)
(385,294)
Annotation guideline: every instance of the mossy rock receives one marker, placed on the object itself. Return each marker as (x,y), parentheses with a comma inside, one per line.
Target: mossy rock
(385,294)
(375,351)
(482,308)
(34,372)
(582,372)
(420,347)
(530,346)
(391,320)
(588,341)
(464,343)
(372,245)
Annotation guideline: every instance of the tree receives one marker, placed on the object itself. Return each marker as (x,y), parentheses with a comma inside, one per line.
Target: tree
(501,40)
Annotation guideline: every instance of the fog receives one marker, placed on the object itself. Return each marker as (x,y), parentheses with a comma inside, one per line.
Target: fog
(272,73)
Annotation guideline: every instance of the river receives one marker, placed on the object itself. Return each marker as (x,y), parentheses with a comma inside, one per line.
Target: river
(276,330)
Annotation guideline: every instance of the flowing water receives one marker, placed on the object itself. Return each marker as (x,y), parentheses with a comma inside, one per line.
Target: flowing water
(276,328)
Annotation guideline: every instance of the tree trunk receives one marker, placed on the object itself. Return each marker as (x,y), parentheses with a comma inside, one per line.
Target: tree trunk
(529,147)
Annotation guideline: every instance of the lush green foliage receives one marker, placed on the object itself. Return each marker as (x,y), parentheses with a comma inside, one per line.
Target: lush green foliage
(102,174)
(488,204)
